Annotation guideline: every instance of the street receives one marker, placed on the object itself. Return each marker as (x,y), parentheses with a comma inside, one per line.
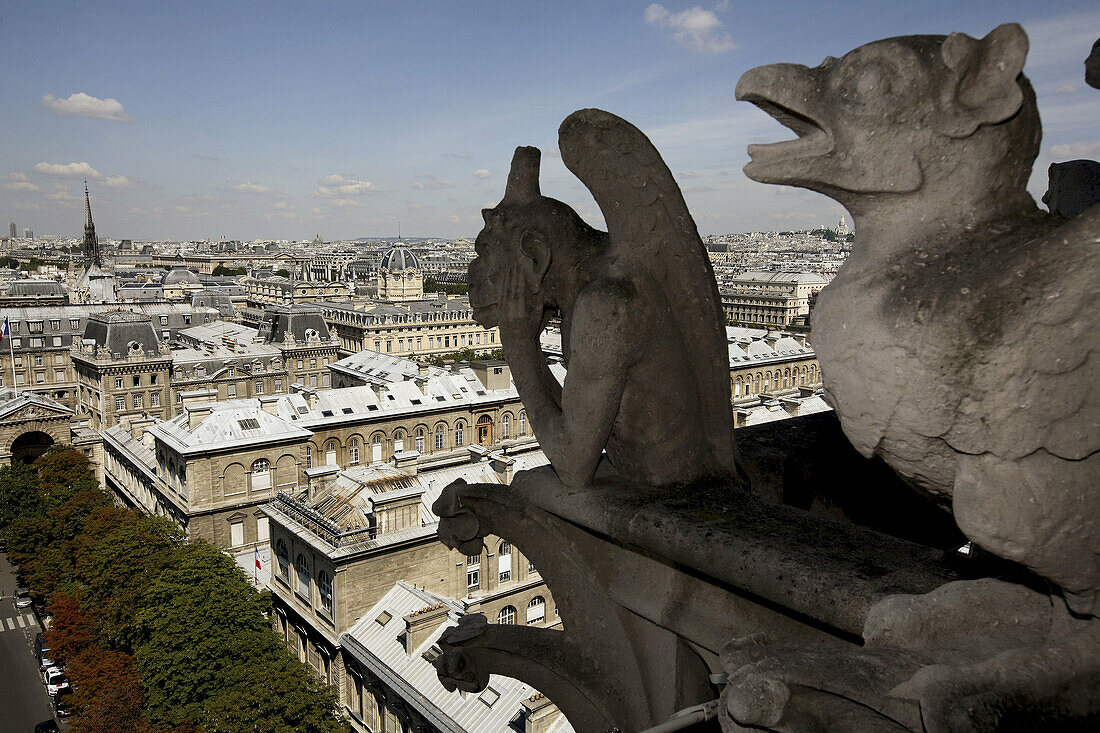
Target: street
(23,699)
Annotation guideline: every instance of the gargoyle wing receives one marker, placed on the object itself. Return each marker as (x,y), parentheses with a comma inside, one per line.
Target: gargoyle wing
(654,238)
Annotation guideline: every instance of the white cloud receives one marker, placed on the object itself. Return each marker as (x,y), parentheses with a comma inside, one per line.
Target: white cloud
(1076,150)
(458,156)
(67,170)
(482,173)
(695,29)
(199,155)
(84,105)
(118,182)
(453,218)
(337,185)
(1065,89)
(251,187)
(432,184)
(345,203)
(61,195)
(26,186)
(283,206)
(17,177)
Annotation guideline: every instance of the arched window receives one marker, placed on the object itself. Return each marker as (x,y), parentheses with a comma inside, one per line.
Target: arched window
(261,474)
(309,456)
(536,610)
(284,559)
(353,451)
(440,436)
(523,423)
(507,615)
(330,453)
(324,590)
(506,427)
(376,448)
(398,440)
(420,440)
(460,433)
(303,575)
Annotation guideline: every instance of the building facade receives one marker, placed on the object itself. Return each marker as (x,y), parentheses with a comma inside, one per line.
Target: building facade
(770,299)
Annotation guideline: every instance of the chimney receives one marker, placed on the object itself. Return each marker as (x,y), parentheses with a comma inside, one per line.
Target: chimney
(138,425)
(503,466)
(198,397)
(269,404)
(197,413)
(791,405)
(771,339)
(419,625)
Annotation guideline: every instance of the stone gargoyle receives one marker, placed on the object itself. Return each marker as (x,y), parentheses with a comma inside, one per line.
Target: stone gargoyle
(959,342)
(641,319)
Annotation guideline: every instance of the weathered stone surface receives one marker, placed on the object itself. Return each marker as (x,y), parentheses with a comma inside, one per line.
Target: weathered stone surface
(959,340)
(1092,66)
(1072,187)
(959,344)
(642,325)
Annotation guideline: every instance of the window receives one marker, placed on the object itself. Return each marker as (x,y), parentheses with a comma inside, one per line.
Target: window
(34,326)
(353,452)
(330,453)
(120,403)
(236,534)
(74,323)
(278,384)
(263,529)
(299,363)
(179,397)
(56,340)
(58,359)
(420,440)
(309,456)
(324,590)
(536,610)
(506,427)
(507,615)
(523,423)
(40,377)
(473,572)
(303,576)
(231,390)
(59,375)
(118,382)
(153,378)
(261,474)
(138,402)
(38,361)
(440,436)
(313,380)
(284,559)
(137,380)
(249,423)
(504,562)
(460,429)
(398,441)
(164,320)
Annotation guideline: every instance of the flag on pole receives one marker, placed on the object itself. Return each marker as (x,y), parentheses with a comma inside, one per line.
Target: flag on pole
(256,551)
(4,333)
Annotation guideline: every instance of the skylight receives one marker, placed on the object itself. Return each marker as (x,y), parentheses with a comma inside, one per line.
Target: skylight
(249,423)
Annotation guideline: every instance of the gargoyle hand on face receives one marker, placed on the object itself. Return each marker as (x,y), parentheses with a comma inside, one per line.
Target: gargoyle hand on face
(519,309)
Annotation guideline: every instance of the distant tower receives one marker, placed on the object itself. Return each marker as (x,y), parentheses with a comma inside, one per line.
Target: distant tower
(11,230)
(91,243)
(842,227)
(318,240)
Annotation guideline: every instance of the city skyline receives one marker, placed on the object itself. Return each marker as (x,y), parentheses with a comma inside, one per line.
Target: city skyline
(279,121)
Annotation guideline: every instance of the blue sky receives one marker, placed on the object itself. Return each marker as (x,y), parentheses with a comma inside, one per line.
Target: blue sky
(284,119)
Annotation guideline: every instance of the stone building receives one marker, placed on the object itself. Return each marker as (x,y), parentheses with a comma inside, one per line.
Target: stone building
(30,423)
(280,290)
(391,685)
(770,299)
(417,328)
(339,549)
(399,276)
(195,464)
(125,369)
(770,363)
(42,336)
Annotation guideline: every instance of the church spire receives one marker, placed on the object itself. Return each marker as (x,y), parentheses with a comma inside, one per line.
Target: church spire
(91,242)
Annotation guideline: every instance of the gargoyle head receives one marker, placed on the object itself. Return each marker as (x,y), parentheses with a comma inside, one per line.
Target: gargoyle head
(524,234)
(1092,66)
(900,114)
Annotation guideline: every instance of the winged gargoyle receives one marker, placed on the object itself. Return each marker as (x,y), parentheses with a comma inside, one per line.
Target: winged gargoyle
(642,326)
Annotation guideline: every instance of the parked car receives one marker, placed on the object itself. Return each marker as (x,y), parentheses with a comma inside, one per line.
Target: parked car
(22,597)
(42,652)
(61,704)
(55,680)
(47,726)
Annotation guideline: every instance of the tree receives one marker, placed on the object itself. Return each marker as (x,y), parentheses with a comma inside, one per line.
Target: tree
(62,472)
(199,620)
(107,691)
(283,272)
(277,695)
(431,285)
(73,628)
(223,270)
(18,494)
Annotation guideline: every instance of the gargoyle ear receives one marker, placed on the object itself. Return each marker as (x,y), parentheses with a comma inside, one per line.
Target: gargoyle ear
(536,258)
(523,178)
(981,87)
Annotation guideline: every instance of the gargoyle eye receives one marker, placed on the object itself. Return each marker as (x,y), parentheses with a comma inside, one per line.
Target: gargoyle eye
(873,80)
